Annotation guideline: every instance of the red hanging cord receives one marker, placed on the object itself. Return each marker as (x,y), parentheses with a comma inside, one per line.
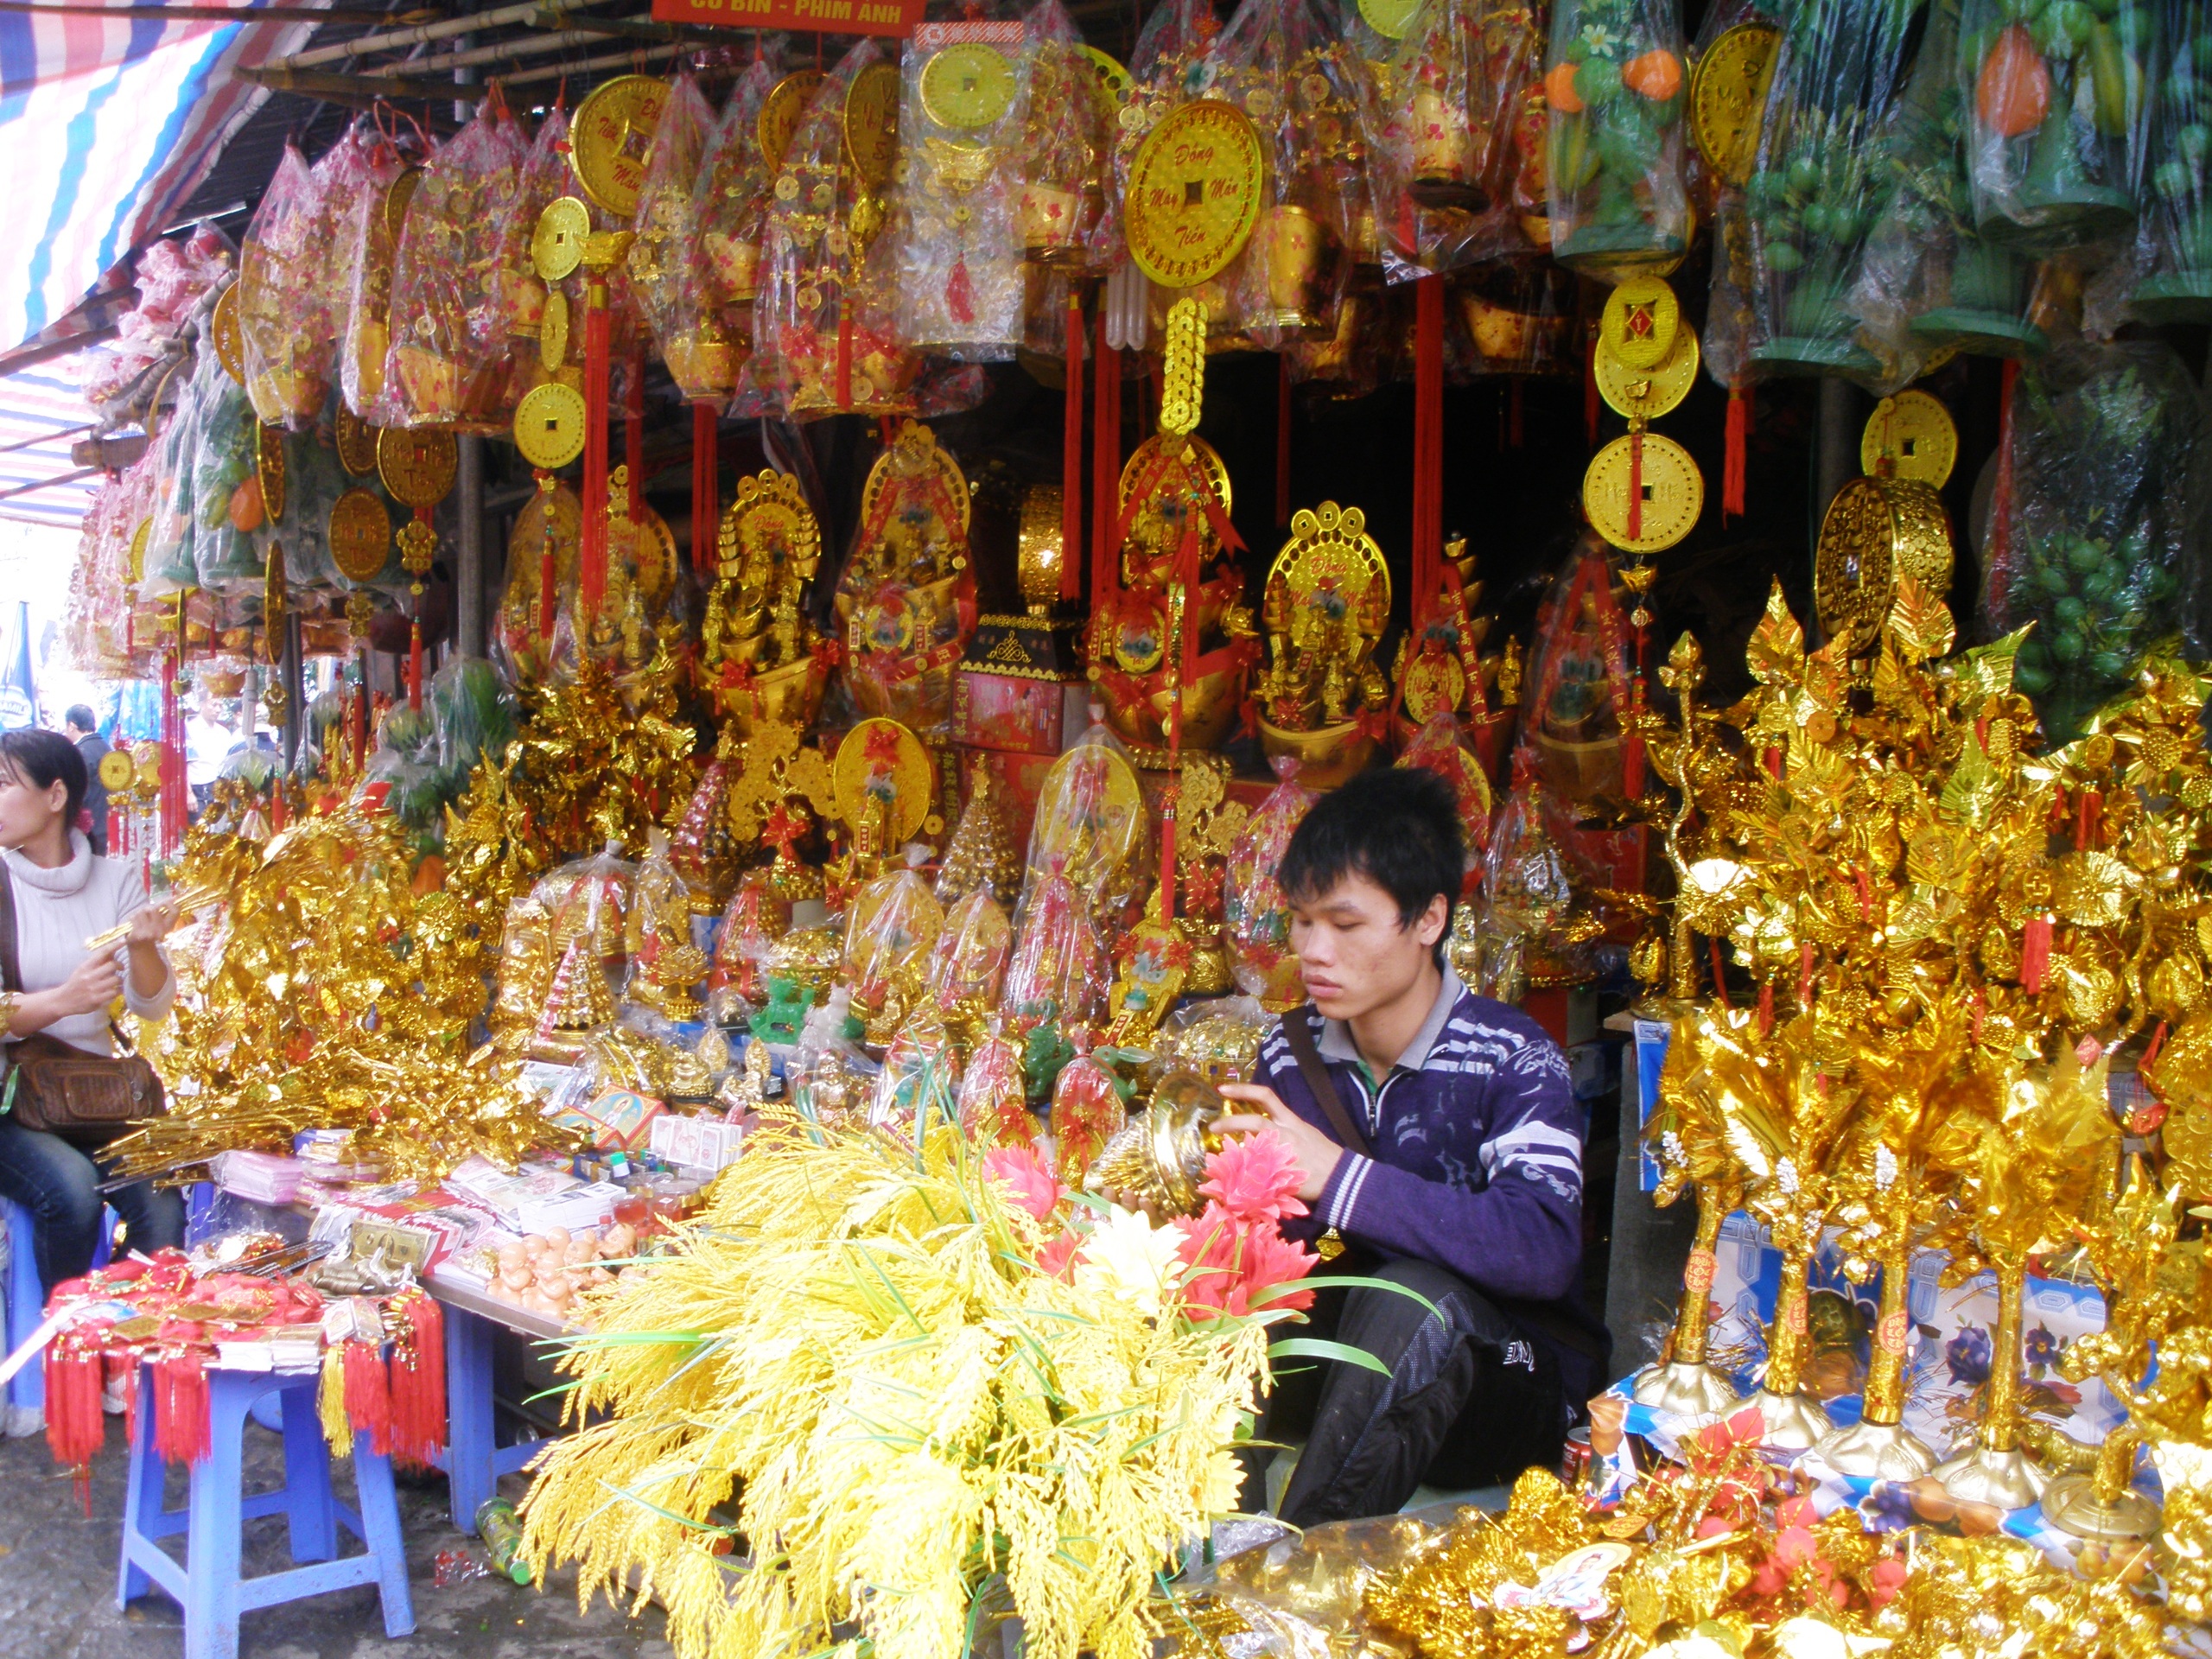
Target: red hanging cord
(706,490)
(1071,455)
(591,559)
(1732,462)
(1105,467)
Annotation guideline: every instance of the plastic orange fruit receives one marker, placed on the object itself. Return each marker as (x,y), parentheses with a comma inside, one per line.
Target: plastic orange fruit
(2013,93)
(1559,89)
(1657,75)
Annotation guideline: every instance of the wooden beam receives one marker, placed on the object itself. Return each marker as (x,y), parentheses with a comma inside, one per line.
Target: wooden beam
(361,90)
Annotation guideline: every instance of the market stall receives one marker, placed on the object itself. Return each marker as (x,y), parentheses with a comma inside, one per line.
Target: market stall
(795,694)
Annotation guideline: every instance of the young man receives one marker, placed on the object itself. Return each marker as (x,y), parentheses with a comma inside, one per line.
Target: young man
(1467,1190)
(81,727)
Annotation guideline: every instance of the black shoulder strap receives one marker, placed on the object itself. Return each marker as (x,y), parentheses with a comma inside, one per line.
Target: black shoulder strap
(11,969)
(1325,1093)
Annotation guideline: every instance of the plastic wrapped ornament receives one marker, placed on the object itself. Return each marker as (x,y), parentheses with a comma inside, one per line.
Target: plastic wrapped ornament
(967,966)
(918,1086)
(1064,138)
(1437,748)
(1087,1113)
(895,925)
(1256,913)
(757,915)
(994,1094)
(666,276)
(1057,974)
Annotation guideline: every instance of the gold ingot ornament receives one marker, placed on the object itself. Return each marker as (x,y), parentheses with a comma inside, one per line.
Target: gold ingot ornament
(1669,486)
(1911,436)
(1194,192)
(1728,97)
(611,140)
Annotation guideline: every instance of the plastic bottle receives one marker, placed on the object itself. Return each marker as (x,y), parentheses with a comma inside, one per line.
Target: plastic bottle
(500,1528)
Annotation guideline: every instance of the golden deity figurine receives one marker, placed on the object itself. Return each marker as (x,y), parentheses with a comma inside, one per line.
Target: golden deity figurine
(1322,698)
(907,594)
(760,656)
(1442,670)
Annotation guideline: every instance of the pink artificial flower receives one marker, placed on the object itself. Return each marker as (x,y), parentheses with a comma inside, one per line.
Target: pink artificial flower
(1229,1259)
(1054,1260)
(1270,1261)
(1254,1178)
(1029,1185)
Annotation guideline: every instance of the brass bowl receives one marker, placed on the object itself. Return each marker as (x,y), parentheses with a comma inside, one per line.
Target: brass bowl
(1326,758)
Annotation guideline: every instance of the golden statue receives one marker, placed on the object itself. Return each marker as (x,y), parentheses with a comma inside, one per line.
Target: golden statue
(1328,601)
(760,657)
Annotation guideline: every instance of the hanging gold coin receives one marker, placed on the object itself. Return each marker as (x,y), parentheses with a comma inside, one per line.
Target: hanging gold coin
(1194,192)
(357,443)
(1113,81)
(1388,18)
(553,331)
(398,196)
(418,464)
(1911,436)
(549,424)
(1671,489)
(1647,394)
(780,114)
(612,139)
(968,84)
(230,347)
(872,124)
(1641,319)
(557,246)
(898,785)
(116,770)
(269,467)
(360,536)
(138,540)
(1854,569)
(1728,97)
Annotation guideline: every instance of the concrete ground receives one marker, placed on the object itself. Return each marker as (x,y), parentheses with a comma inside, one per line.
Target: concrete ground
(57,1580)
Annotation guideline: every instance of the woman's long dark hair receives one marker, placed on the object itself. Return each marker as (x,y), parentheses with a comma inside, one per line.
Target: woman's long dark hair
(43,758)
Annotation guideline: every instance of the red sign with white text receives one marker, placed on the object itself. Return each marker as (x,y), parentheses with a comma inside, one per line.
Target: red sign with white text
(889,17)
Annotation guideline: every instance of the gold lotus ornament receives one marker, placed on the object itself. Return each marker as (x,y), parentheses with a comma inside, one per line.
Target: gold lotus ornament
(1159,1157)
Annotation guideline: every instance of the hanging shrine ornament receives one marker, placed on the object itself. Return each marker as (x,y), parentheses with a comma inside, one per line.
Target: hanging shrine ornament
(1643,492)
(1194,193)
(417,466)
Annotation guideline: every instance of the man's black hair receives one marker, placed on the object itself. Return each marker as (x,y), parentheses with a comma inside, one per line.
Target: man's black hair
(42,759)
(1398,826)
(80,715)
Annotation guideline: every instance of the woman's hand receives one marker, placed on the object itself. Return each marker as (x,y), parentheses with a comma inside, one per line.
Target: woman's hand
(96,982)
(151,924)
(1317,1154)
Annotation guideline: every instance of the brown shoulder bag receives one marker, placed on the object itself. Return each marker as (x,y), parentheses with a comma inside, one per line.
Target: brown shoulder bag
(55,1087)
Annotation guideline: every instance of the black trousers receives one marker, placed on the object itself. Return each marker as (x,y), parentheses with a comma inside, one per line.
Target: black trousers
(1469,1400)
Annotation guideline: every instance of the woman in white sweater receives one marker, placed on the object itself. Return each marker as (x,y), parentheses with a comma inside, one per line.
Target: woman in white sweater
(63,895)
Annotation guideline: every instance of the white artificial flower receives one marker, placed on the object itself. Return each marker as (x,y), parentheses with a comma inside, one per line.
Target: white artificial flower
(1128,1257)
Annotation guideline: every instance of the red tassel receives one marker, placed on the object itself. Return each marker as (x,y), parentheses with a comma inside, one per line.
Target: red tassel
(1105,465)
(960,293)
(1282,442)
(1590,401)
(1429,446)
(1766,1009)
(1804,977)
(706,493)
(2035,954)
(1732,464)
(418,1382)
(1636,486)
(2088,821)
(368,1395)
(844,355)
(277,815)
(181,1431)
(75,1430)
(1720,983)
(1072,456)
(591,543)
(415,664)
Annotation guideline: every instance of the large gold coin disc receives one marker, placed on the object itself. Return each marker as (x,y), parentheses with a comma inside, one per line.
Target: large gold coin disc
(968,84)
(612,137)
(418,464)
(1854,569)
(1728,97)
(1910,436)
(1194,192)
(1114,82)
(357,443)
(1388,18)
(550,423)
(553,331)
(268,465)
(1924,548)
(138,540)
(872,124)
(230,348)
(559,507)
(116,770)
(780,114)
(1214,468)
(360,535)
(1641,320)
(557,246)
(854,779)
(1673,490)
(1648,394)
(398,196)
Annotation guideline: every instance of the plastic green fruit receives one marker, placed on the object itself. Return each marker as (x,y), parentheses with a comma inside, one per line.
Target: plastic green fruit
(1783,256)
(1597,81)
(2110,664)
(2084,556)
(2069,612)
(2067,646)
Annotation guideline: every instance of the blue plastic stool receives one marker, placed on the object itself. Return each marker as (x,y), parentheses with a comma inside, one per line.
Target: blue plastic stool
(206,1584)
(27,1297)
(474,1460)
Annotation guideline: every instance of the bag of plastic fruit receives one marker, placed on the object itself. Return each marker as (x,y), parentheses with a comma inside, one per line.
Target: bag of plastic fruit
(1615,170)
(2177,180)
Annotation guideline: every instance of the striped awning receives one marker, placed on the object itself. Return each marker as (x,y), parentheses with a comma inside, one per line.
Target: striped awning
(42,414)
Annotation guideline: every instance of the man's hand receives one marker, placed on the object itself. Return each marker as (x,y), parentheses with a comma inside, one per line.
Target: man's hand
(1316,1154)
(96,982)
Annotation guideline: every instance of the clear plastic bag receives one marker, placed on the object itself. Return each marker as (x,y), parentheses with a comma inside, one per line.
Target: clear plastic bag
(1615,172)
(2054,105)
(967,966)
(590,897)
(1820,176)
(314,480)
(365,241)
(1440,108)
(170,566)
(448,360)
(2098,549)
(1529,894)
(962,115)
(1439,748)
(731,202)
(1064,139)
(666,275)
(1057,973)
(1169,50)
(1087,1110)
(227,494)
(759,914)
(1255,912)
(2177,179)
(287,301)
(825,334)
